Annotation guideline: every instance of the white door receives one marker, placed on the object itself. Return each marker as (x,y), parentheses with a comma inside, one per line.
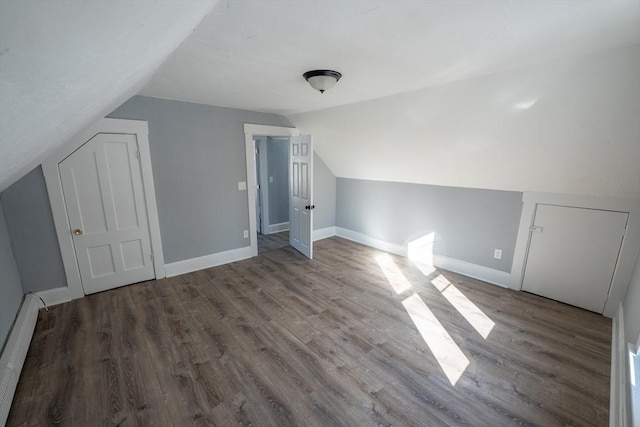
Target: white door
(103,193)
(573,254)
(300,194)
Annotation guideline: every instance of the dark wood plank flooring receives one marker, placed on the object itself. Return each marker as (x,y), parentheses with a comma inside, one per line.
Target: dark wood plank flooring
(269,242)
(279,340)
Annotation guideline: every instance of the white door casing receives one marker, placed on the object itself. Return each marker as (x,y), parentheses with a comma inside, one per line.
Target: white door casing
(573,254)
(104,197)
(140,130)
(301,194)
(250,132)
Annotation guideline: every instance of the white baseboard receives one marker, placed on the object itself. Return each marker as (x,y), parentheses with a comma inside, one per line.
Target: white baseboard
(276,228)
(55,296)
(486,274)
(207,261)
(475,271)
(618,390)
(324,233)
(15,352)
(355,236)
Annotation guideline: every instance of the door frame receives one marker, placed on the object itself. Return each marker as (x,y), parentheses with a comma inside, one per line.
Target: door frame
(250,132)
(51,173)
(628,250)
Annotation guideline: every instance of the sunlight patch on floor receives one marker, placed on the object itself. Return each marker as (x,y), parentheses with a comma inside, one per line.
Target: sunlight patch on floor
(394,276)
(420,252)
(449,356)
(476,317)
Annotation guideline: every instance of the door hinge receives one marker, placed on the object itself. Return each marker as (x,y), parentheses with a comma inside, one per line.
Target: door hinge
(535,229)
(257,151)
(152,257)
(138,154)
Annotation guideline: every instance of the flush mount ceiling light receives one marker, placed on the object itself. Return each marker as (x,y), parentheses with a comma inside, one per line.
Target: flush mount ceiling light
(322,79)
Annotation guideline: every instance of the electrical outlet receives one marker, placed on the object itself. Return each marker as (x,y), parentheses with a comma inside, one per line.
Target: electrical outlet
(242,185)
(270,179)
(245,233)
(497,253)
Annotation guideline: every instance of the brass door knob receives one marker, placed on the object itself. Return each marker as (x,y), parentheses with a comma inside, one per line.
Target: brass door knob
(78,231)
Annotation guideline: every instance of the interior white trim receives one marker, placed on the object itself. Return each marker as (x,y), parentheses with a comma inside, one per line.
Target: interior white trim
(276,228)
(480,272)
(618,387)
(251,131)
(365,239)
(324,233)
(207,261)
(628,251)
(15,352)
(55,296)
(59,211)
(468,269)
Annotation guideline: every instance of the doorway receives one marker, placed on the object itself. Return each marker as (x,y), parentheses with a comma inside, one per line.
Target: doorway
(272,192)
(105,169)
(302,229)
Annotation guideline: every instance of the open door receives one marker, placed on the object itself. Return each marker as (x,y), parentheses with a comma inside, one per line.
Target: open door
(300,194)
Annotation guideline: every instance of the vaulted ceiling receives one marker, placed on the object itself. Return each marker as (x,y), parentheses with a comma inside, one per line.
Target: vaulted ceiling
(252,54)
(65,64)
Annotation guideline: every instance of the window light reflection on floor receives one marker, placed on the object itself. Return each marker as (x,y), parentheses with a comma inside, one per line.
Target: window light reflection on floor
(449,356)
(394,276)
(465,307)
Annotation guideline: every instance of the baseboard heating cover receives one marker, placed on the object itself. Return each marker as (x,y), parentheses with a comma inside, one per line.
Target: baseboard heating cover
(15,353)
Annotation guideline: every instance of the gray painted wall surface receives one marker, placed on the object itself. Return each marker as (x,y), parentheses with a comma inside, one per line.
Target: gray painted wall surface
(324,195)
(198,158)
(468,223)
(278,168)
(10,288)
(33,236)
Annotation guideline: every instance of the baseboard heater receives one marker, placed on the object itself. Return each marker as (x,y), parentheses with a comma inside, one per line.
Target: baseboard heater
(15,353)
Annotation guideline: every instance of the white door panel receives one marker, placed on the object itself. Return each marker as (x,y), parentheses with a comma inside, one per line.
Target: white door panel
(104,197)
(573,254)
(300,194)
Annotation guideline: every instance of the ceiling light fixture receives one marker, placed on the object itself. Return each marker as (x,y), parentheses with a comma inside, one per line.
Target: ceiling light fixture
(322,79)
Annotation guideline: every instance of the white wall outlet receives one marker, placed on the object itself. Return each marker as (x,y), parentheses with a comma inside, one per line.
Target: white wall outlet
(242,185)
(270,179)
(245,233)
(497,253)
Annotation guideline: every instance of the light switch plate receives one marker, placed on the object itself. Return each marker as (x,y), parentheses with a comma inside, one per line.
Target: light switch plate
(242,185)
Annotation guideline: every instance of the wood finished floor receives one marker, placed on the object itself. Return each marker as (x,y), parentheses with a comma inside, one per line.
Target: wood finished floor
(279,340)
(269,242)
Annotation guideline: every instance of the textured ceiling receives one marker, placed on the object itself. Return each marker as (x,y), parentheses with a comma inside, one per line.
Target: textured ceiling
(251,54)
(65,64)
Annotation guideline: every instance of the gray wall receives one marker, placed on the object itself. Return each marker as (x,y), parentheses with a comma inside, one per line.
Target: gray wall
(33,237)
(278,168)
(324,195)
(468,223)
(198,158)
(10,288)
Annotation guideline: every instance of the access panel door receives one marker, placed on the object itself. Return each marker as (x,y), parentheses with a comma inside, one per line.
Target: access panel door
(573,254)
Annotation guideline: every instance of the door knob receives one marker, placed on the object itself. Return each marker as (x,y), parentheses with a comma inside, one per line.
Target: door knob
(309,207)
(78,231)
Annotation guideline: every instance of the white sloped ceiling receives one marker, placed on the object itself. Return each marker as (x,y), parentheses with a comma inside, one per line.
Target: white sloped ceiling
(65,64)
